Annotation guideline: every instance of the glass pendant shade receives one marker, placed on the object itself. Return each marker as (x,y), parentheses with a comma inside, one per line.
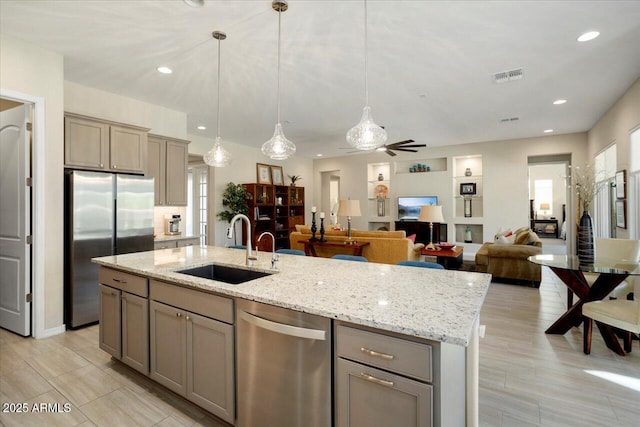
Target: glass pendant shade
(366,135)
(278,147)
(217,156)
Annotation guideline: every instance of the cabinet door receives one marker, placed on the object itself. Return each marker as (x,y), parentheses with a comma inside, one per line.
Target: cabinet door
(86,143)
(176,173)
(168,350)
(127,149)
(368,397)
(156,158)
(109,318)
(135,332)
(165,245)
(210,366)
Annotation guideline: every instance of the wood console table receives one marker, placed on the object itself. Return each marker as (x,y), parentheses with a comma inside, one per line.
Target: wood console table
(356,248)
(545,227)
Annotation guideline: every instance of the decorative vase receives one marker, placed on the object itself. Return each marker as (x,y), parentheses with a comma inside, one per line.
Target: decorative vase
(467,172)
(467,235)
(585,239)
(380,177)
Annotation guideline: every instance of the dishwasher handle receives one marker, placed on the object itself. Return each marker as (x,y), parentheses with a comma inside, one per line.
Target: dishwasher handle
(281,328)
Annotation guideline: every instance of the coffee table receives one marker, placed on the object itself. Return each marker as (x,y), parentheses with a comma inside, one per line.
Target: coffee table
(451,259)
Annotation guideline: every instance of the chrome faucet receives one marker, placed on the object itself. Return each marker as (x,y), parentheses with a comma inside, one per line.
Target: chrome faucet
(274,256)
(250,257)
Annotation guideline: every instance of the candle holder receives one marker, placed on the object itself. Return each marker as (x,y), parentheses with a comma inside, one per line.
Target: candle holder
(313,228)
(322,239)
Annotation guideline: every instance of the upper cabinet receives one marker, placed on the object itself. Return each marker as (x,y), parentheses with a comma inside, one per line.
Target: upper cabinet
(167,163)
(101,145)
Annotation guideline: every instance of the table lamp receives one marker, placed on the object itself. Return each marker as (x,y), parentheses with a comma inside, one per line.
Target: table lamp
(544,207)
(349,208)
(431,214)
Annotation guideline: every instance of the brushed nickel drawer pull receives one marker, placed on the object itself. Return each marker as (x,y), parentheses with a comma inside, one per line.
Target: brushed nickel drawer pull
(376,354)
(118,280)
(178,314)
(187,318)
(376,380)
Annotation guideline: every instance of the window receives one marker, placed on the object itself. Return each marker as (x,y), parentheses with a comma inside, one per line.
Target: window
(633,187)
(197,203)
(605,170)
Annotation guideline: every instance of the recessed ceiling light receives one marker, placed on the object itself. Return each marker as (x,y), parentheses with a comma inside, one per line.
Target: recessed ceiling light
(319,155)
(590,35)
(164,70)
(548,130)
(201,127)
(559,101)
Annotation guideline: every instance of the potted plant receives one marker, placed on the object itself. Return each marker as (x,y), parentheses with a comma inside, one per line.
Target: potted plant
(293,179)
(234,199)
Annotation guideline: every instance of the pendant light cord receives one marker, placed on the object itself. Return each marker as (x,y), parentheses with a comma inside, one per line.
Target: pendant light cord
(218,88)
(278,97)
(366,50)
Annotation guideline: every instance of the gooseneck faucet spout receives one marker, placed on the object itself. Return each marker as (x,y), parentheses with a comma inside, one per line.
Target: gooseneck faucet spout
(250,256)
(274,255)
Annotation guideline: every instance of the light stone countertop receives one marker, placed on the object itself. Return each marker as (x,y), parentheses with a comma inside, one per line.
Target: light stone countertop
(172,238)
(440,305)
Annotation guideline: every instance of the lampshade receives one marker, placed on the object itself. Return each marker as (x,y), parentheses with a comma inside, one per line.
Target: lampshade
(366,135)
(544,206)
(218,157)
(431,213)
(349,208)
(279,147)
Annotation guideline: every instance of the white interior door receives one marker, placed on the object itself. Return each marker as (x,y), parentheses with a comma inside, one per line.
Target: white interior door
(15,224)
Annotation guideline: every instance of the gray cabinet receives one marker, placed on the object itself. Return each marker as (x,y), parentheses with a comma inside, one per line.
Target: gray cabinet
(167,163)
(176,243)
(381,380)
(191,351)
(124,318)
(101,145)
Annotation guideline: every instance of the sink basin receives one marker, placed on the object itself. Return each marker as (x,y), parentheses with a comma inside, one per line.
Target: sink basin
(222,273)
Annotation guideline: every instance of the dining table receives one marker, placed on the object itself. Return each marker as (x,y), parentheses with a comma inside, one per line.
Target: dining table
(570,270)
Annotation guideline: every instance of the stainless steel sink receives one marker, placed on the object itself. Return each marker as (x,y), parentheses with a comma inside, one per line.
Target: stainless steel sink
(223,273)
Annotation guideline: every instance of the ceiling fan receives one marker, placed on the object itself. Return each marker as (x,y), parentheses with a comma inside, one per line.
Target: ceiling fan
(400,146)
(397,146)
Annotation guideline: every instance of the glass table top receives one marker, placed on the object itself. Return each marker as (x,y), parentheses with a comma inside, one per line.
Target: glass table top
(601,264)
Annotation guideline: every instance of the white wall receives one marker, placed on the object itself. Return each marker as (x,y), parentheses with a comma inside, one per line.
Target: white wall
(505,177)
(110,106)
(616,126)
(243,170)
(33,71)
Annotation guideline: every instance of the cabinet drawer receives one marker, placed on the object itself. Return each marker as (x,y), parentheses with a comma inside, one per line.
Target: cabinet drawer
(124,281)
(209,305)
(165,244)
(188,242)
(393,354)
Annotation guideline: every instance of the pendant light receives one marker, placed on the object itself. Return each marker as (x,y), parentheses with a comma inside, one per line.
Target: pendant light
(279,147)
(218,156)
(366,135)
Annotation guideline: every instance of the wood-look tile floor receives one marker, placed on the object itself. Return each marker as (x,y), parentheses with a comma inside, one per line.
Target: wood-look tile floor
(527,378)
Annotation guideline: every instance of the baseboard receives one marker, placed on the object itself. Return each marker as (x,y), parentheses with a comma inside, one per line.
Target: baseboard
(52,331)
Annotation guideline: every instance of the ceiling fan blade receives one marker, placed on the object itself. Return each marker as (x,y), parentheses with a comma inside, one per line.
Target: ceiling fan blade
(408,150)
(391,153)
(410,146)
(407,141)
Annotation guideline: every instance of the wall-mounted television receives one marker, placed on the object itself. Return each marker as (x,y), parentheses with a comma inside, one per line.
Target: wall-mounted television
(409,207)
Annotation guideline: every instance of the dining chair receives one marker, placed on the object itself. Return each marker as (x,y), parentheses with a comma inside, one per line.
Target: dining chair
(350,258)
(622,251)
(291,252)
(421,264)
(621,314)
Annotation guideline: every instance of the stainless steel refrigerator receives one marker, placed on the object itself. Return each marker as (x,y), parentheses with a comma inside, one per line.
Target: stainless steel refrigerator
(105,214)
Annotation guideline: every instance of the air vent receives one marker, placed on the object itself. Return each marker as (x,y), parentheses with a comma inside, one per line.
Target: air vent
(509,119)
(507,76)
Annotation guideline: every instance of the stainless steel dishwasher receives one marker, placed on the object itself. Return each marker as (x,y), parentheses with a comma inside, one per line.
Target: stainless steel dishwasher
(284,367)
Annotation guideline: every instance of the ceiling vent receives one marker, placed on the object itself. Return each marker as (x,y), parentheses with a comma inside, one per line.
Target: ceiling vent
(508,76)
(509,119)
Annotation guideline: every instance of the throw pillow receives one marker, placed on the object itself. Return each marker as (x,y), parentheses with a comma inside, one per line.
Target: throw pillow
(412,238)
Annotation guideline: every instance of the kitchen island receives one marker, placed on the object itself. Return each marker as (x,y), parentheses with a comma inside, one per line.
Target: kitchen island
(437,308)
